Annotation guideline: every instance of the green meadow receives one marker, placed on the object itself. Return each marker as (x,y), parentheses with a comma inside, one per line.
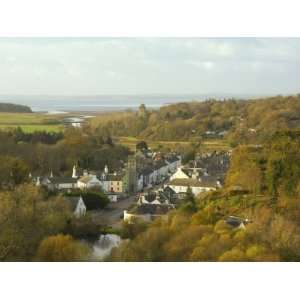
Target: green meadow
(208,145)
(30,122)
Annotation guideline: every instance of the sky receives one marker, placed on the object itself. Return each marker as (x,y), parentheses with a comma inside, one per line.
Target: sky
(124,66)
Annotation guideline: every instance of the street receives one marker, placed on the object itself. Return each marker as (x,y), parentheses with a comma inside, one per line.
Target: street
(112,215)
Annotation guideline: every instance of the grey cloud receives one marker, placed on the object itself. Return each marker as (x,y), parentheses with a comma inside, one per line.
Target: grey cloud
(148,65)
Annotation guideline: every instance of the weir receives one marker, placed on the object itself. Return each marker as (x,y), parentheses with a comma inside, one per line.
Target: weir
(106,242)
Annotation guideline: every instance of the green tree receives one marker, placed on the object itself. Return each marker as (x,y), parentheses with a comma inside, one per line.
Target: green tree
(13,171)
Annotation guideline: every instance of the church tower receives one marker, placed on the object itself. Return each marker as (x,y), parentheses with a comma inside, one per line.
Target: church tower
(130,178)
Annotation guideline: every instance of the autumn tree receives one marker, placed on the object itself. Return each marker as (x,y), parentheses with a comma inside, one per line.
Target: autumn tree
(26,217)
(13,171)
(244,170)
(61,248)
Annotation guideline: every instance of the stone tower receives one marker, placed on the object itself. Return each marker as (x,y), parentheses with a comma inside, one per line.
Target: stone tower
(130,178)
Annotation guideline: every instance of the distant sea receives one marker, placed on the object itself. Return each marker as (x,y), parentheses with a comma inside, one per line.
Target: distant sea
(104,103)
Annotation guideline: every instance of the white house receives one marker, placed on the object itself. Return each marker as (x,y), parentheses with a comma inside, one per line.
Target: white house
(147,213)
(130,218)
(153,199)
(161,170)
(88,181)
(77,205)
(181,185)
(112,197)
(179,174)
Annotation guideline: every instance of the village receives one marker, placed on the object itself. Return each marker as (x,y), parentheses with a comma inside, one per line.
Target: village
(148,186)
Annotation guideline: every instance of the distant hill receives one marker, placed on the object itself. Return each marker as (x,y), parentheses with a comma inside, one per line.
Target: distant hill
(235,120)
(14,108)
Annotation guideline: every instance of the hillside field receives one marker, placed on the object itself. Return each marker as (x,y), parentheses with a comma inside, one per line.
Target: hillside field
(207,145)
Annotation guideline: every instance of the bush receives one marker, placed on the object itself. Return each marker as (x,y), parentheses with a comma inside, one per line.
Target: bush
(83,228)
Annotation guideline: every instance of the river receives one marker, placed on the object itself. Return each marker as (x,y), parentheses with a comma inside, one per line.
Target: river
(104,245)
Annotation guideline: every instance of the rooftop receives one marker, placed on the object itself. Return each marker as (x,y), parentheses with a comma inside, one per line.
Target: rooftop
(114,177)
(87,178)
(192,182)
(153,209)
(58,180)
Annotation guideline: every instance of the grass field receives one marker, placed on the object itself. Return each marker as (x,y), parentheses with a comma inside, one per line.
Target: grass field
(209,145)
(30,122)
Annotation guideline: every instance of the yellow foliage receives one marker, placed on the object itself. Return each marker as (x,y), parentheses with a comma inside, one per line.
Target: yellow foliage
(233,255)
(61,248)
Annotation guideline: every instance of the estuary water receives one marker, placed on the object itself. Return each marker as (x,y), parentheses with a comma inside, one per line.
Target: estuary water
(102,103)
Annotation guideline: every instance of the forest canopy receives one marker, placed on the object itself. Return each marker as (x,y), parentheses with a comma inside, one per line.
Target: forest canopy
(238,121)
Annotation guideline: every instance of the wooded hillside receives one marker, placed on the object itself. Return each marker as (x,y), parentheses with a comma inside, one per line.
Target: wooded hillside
(268,197)
(236,120)
(17,108)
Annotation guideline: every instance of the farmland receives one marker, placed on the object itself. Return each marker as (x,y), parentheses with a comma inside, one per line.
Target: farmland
(209,144)
(30,122)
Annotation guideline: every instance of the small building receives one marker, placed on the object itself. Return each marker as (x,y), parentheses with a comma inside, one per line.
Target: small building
(160,197)
(237,222)
(181,185)
(58,183)
(112,183)
(180,174)
(88,181)
(115,183)
(77,206)
(146,212)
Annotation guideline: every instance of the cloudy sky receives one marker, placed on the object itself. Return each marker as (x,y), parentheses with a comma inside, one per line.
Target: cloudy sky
(101,66)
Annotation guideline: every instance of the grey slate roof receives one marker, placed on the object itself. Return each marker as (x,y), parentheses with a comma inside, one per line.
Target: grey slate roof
(61,180)
(192,182)
(153,209)
(147,171)
(114,177)
(172,158)
(236,221)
